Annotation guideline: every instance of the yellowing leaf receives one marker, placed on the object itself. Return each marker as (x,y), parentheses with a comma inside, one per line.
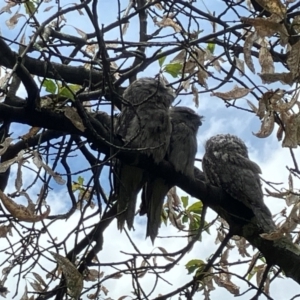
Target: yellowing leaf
(173,69)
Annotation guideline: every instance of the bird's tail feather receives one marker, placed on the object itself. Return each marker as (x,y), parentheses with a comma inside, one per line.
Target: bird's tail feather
(131,180)
(264,217)
(153,197)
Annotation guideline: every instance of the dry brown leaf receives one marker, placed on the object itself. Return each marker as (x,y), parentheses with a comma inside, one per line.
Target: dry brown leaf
(269,102)
(13,21)
(281,106)
(48,8)
(124,28)
(201,56)
(7,7)
(224,257)
(164,251)
(32,132)
(228,285)
(40,164)
(158,6)
(190,66)
(216,64)
(92,275)
(279,133)
(73,277)
(195,95)
(249,41)
(58,179)
(292,220)
(37,160)
(291,199)
(116,276)
(293,60)
(267,28)
(104,289)
(21,212)
(5,229)
(292,128)
(290,182)
(259,273)
(25,295)
(273,236)
(180,57)
(5,145)
(296,23)
(185,84)
(240,65)
(73,116)
(36,286)
(267,285)
(81,33)
(5,165)
(280,195)
(202,76)
(274,7)
(252,106)
(242,246)
(267,126)
(39,279)
(266,61)
(284,78)
(175,200)
(19,180)
(262,107)
(233,94)
(166,21)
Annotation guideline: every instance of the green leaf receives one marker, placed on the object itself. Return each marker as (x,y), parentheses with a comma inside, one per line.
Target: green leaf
(29,8)
(194,264)
(251,274)
(66,93)
(164,217)
(185,201)
(185,218)
(173,69)
(50,86)
(161,61)
(74,87)
(211,47)
(80,180)
(263,259)
(195,223)
(196,207)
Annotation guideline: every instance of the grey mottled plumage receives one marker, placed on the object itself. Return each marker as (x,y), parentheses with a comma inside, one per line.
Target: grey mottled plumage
(181,153)
(144,124)
(226,164)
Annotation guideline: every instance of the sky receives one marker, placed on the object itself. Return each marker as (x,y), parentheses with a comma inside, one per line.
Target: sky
(268,153)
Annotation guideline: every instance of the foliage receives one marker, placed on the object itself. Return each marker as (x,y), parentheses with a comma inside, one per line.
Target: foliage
(64,66)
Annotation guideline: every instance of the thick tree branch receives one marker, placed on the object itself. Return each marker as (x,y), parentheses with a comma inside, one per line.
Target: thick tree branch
(240,218)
